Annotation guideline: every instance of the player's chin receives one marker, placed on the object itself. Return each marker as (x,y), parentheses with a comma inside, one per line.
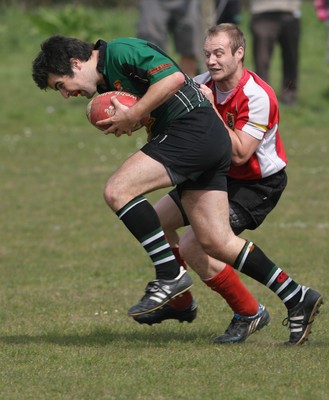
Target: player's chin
(216,74)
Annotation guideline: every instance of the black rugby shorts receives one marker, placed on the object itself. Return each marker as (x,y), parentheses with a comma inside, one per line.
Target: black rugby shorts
(195,149)
(250,201)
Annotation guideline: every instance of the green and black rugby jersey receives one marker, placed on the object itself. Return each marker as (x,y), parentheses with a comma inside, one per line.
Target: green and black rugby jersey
(132,65)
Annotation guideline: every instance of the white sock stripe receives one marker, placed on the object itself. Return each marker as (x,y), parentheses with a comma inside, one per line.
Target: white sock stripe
(159,249)
(164,260)
(132,206)
(291,294)
(275,275)
(152,238)
(245,256)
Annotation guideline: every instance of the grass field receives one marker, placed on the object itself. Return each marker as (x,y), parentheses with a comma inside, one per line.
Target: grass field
(70,270)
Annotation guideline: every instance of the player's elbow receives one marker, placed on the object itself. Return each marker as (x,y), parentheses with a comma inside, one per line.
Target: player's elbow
(239,159)
(178,79)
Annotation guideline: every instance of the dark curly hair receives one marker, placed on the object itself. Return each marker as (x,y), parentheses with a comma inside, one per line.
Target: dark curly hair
(55,55)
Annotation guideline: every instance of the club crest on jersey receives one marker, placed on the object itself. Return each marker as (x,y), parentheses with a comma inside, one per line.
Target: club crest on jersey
(230,120)
(117,85)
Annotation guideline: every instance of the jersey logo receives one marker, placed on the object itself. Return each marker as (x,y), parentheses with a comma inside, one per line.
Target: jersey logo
(230,120)
(282,277)
(159,68)
(117,85)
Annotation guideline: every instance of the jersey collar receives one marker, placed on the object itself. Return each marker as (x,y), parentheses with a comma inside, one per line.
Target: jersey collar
(243,80)
(101,46)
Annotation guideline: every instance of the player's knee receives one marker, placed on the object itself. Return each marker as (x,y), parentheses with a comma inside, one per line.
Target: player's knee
(116,194)
(214,248)
(209,248)
(108,195)
(186,247)
(112,196)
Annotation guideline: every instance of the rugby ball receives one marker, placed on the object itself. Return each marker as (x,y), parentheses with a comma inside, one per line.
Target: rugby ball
(101,107)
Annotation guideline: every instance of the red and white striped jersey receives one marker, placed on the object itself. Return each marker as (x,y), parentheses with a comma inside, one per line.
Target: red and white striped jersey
(252,107)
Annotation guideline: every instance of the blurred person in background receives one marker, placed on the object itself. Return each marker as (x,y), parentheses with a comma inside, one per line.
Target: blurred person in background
(228,11)
(322,12)
(277,21)
(158,19)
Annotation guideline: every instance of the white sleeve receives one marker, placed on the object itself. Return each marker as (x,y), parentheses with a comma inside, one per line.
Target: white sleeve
(202,78)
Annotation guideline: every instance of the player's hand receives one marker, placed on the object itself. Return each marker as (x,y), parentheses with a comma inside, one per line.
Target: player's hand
(207,92)
(121,122)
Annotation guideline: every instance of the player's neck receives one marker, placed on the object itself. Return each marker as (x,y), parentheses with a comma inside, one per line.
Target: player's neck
(230,82)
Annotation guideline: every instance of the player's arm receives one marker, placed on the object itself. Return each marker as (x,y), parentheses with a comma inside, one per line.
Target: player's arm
(158,93)
(243,144)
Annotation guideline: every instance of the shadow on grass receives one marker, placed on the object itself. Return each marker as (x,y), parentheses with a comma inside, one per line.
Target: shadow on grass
(105,337)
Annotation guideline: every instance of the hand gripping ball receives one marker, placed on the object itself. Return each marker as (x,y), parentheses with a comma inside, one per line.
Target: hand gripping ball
(101,107)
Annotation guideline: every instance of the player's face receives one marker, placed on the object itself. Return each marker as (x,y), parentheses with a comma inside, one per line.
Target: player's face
(221,63)
(81,83)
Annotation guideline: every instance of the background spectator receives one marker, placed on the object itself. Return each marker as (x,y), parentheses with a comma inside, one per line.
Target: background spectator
(277,21)
(322,12)
(159,18)
(228,11)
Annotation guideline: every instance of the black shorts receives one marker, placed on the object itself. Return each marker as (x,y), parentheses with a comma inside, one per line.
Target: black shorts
(258,197)
(195,149)
(250,201)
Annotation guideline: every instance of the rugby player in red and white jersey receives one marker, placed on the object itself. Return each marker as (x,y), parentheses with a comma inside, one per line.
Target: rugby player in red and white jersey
(249,108)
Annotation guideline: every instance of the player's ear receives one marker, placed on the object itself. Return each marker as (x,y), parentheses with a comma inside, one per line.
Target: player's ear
(75,63)
(240,53)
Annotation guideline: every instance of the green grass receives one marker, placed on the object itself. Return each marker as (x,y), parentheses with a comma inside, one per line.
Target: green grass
(69,269)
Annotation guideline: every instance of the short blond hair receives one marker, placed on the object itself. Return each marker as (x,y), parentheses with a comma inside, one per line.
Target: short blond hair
(237,37)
